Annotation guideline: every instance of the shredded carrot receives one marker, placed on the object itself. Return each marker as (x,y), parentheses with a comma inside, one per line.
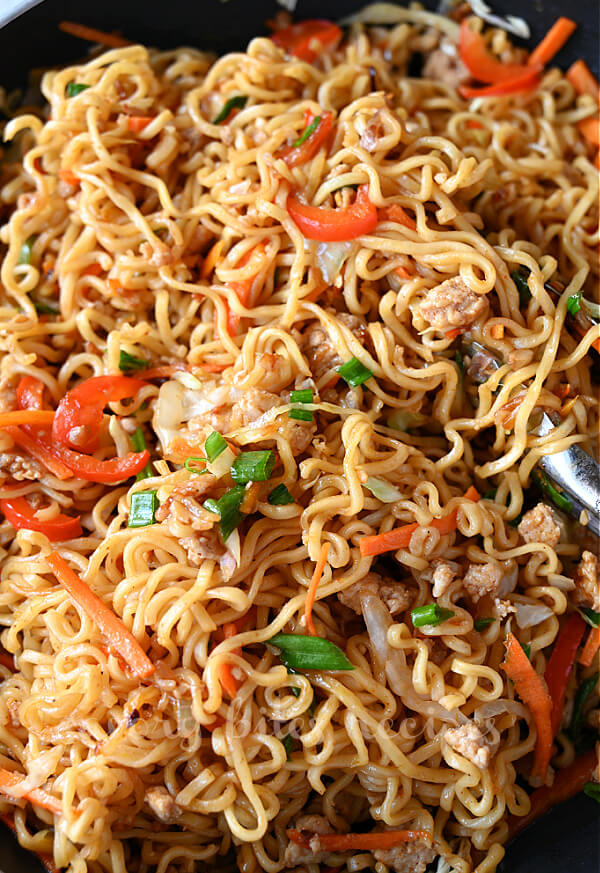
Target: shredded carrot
(312,588)
(137,123)
(46,860)
(568,406)
(592,644)
(37,796)
(563,390)
(590,129)
(532,691)
(211,367)
(93,269)
(93,35)
(164,371)
(399,537)
(118,636)
(26,416)
(69,177)
(212,259)
(473,124)
(231,629)
(596,343)
(497,331)
(583,80)
(452,334)
(396,213)
(552,43)
(357,842)
(402,272)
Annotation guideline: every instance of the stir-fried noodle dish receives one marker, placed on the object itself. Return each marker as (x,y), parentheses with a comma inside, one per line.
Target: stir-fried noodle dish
(283,584)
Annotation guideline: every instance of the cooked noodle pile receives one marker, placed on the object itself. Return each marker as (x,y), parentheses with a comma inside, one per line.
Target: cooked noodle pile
(143,237)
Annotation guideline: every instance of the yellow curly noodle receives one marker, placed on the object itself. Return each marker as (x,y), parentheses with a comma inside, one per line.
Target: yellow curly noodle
(146,204)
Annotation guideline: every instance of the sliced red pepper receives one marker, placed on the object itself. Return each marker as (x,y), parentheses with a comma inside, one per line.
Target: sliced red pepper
(106,472)
(296,156)
(30,393)
(39,446)
(21,515)
(79,414)
(484,66)
(334,225)
(526,82)
(561,663)
(299,39)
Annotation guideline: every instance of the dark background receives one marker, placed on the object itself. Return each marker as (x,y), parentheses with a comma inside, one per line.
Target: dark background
(568,839)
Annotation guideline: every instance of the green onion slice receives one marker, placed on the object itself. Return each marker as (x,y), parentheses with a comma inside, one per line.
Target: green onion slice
(143,507)
(237,102)
(45,308)
(229,510)
(191,461)
(354,373)
(138,442)
(592,618)
(253,467)
(280,496)
(212,505)
(558,499)
(592,789)
(483,623)
(75,88)
(301,414)
(574,303)
(307,132)
(527,649)
(215,444)
(583,692)
(300,652)
(129,363)
(288,744)
(430,614)
(491,494)
(25,251)
(305,395)
(520,281)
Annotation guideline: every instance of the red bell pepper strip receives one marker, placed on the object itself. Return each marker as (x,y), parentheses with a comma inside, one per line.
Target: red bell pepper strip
(300,39)
(561,663)
(484,66)
(40,446)
(334,225)
(296,156)
(21,515)
(108,471)
(79,414)
(525,82)
(567,783)
(30,392)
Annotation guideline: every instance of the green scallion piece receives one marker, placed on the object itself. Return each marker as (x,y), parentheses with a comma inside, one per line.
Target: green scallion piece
(520,281)
(558,499)
(307,132)
(129,363)
(237,102)
(253,467)
(189,465)
(592,789)
(354,373)
(25,251)
(75,88)
(527,649)
(214,446)
(481,624)
(301,414)
(280,496)
(229,510)
(590,616)
(574,303)
(430,614)
(305,395)
(288,744)
(143,507)
(491,494)
(460,363)
(138,442)
(583,692)
(300,652)
(44,308)
(212,505)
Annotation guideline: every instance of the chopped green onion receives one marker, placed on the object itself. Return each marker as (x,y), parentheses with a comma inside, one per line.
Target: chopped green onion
(280,496)
(25,251)
(288,744)
(253,467)
(354,373)
(301,414)
(574,303)
(305,395)
(75,88)
(129,363)
(45,308)
(557,498)
(482,623)
(300,652)
(233,103)
(189,465)
(307,132)
(382,490)
(430,614)
(460,363)
(527,649)
(592,618)
(143,507)
(491,494)
(520,281)
(403,420)
(214,445)
(583,692)
(138,441)
(229,510)
(592,789)
(212,505)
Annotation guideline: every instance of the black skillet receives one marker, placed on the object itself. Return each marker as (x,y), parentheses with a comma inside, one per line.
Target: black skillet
(567,840)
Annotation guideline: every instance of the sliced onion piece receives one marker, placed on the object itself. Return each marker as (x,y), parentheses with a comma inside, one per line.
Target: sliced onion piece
(530,614)
(331,256)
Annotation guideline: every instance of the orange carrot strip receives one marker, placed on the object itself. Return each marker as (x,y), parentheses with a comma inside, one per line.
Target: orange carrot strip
(118,636)
(592,644)
(402,272)
(396,213)
(583,80)
(357,842)
(137,123)
(312,588)
(452,334)
(37,796)
(497,331)
(590,129)
(69,177)
(226,677)
(93,269)
(93,35)
(212,259)
(27,416)
(532,691)
(552,43)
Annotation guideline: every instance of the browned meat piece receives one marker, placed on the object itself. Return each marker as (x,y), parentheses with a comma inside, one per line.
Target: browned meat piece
(482,579)
(469,742)
(539,525)
(372,133)
(444,65)
(296,856)
(318,348)
(587,591)
(19,468)
(452,305)
(442,577)
(183,506)
(410,857)
(201,547)
(396,595)
(162,804)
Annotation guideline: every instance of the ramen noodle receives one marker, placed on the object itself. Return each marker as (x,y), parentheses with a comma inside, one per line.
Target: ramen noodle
(277,336)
